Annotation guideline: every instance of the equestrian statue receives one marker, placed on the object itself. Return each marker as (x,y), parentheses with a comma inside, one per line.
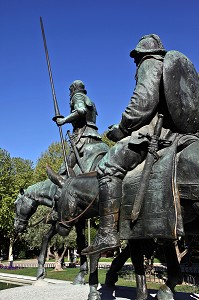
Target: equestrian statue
(145,187)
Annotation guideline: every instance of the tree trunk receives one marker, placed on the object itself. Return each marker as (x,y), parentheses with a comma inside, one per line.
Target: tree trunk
(58,266)
(58,259)
(49,254)
(10,248)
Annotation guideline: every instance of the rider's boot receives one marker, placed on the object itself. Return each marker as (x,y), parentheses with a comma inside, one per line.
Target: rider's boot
(110,195)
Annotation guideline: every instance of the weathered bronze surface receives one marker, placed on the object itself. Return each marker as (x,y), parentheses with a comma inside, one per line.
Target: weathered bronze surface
(76,195)
(166,84)
(85,137)
(181,87)
(153,95)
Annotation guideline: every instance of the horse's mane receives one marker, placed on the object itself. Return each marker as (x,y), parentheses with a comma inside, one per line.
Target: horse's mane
(46,189)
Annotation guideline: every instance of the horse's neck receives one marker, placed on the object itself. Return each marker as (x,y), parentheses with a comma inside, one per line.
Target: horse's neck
(85,187)
(43,192)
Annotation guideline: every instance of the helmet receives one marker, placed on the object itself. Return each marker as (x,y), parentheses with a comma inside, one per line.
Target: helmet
(150,43)
(77,86)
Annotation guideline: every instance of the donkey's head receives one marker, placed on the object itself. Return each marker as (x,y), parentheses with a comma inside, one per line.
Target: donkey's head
(75,195)
(25,207)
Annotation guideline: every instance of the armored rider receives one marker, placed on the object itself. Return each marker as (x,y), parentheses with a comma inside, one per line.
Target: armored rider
(85,134)
(150,97)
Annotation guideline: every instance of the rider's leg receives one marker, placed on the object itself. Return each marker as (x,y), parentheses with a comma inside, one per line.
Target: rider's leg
(110,198)
(111,171)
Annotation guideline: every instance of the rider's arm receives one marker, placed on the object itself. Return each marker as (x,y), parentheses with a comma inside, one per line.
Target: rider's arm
(78,110)
(145,98)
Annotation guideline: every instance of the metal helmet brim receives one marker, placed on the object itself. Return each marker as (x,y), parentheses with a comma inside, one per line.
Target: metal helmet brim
(148,44)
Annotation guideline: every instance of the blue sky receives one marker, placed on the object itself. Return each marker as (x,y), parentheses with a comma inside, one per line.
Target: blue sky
(88,40)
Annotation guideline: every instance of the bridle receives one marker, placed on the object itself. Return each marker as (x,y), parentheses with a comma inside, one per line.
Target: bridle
(65,223)
(31,206)
(28,205)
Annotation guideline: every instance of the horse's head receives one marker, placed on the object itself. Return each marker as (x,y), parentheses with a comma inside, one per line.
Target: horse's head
(75,195)
(24,209)
(66,200)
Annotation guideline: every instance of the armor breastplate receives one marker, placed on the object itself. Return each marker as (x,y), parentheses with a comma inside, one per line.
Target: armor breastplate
(90,117)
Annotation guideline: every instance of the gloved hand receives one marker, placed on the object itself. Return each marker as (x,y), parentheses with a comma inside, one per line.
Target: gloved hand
(115,134)
(60,121)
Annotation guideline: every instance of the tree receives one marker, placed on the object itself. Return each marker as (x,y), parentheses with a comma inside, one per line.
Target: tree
(53,157)
(106,140)
(22,174)
(58,244)
(14,174)
(5,173)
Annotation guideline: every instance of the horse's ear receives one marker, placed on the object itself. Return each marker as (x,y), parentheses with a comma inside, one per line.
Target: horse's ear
(21,191)
(54,177)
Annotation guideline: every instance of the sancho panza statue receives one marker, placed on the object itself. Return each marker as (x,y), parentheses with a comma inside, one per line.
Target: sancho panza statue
(85,134)
(166,84)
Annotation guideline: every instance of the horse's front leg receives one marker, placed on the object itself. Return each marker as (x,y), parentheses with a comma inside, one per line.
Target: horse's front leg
(93,277)
(81,244)
(174,273)
(116,266)
(41,273)
(137,258)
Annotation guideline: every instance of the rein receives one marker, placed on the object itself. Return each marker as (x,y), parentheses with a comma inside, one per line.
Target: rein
(32,206)
(80,215)
(38,222)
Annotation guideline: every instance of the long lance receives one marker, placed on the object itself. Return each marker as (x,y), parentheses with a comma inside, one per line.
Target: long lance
(56,108)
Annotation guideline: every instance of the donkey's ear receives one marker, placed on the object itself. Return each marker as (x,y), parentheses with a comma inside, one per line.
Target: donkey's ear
(54,177)
(21,191)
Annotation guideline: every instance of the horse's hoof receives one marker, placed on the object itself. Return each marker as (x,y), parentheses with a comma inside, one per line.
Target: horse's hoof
(94,294)
(41,273)
(79,279)
(141,298)
(165,293)
(141,290)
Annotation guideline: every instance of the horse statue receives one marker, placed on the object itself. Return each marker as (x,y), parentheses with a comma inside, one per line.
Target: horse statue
(42,193)
(79,200)
(79,195)
(26,204)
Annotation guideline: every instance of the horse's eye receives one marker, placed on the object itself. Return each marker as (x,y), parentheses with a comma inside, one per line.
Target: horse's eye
(21,191)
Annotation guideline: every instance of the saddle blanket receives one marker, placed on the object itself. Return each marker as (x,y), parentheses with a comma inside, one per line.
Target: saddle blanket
(160,215)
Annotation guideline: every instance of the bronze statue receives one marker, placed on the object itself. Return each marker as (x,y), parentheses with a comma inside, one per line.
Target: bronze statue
(79,200)
(166,84)
(87,147)
(83,156)
(146,176)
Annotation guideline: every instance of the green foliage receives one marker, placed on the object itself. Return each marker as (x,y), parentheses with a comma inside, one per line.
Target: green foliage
(52,157)
(22,172)
(5,170)
(93,232)
(69,274)
(107,141)
(14,174)
(34,234)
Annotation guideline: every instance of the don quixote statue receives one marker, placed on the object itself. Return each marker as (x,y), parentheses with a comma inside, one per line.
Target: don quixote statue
(146,186)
